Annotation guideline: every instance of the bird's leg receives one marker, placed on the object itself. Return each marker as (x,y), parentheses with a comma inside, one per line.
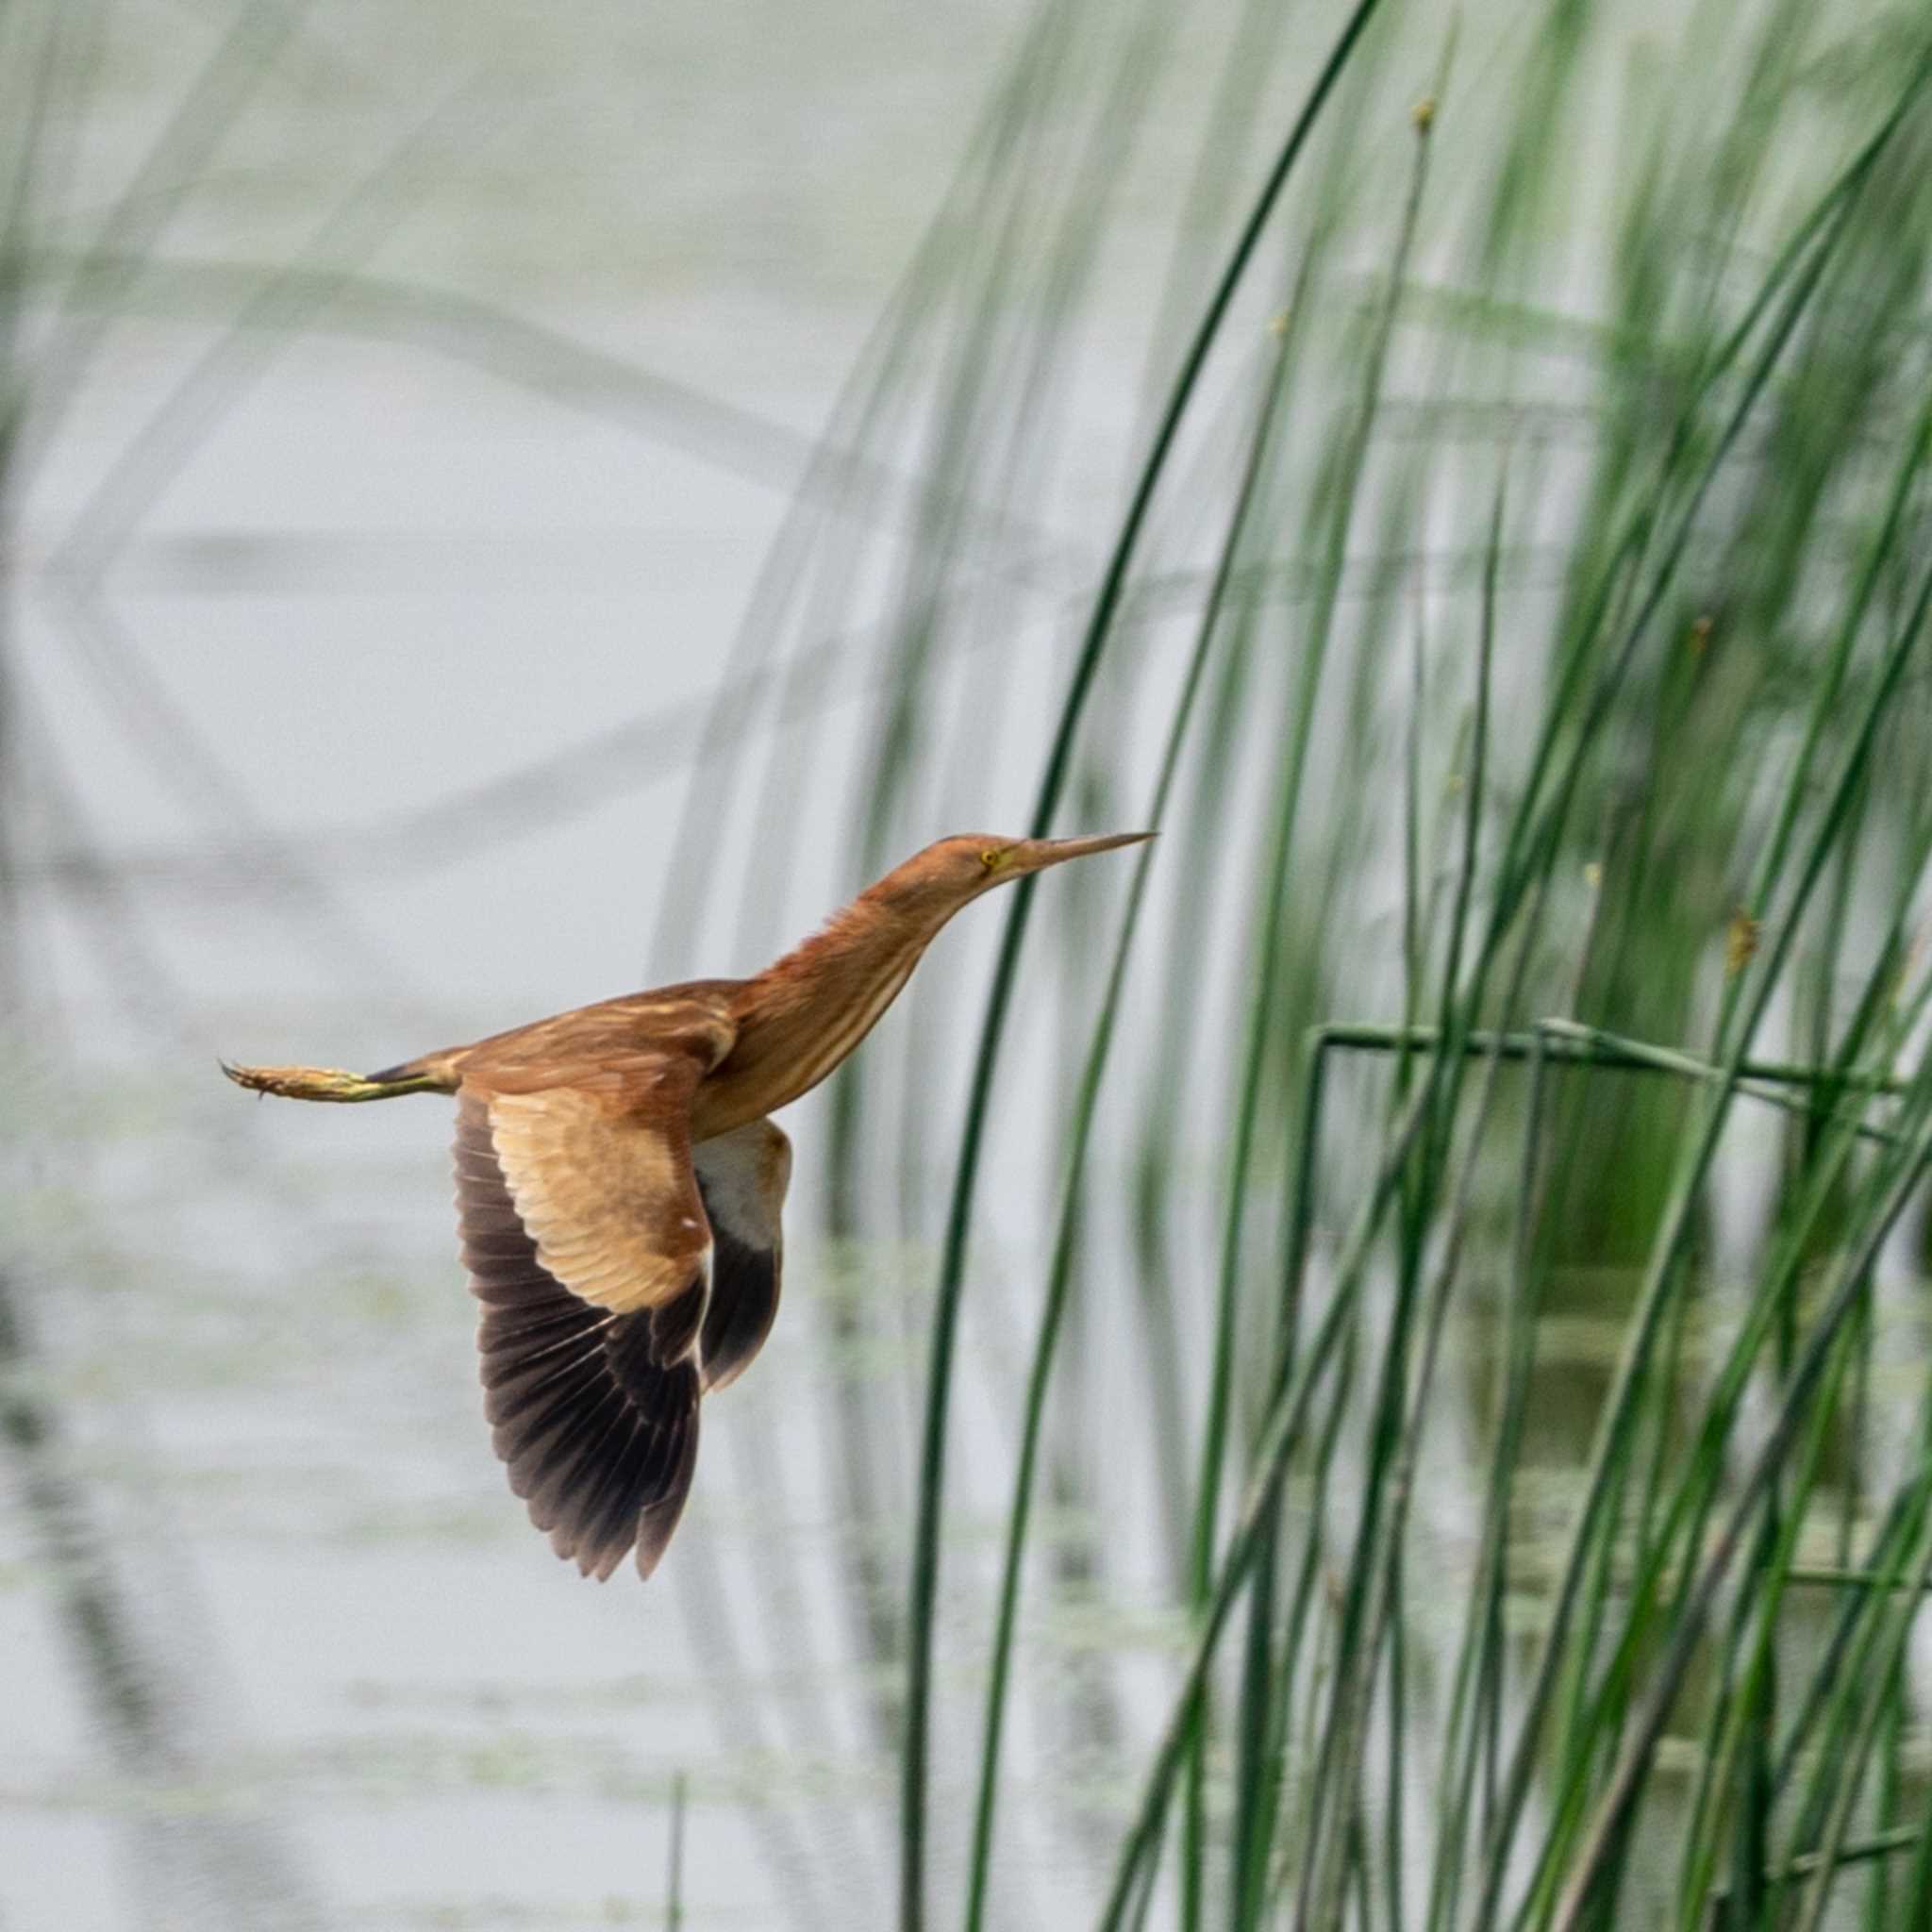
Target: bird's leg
(330,1083)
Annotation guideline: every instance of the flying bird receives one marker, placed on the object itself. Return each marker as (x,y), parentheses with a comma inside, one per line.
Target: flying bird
(619,1187)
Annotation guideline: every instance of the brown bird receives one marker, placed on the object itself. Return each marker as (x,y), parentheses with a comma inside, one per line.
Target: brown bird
(619,1186)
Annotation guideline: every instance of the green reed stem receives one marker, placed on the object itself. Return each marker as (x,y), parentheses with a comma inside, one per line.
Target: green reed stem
(925,1544)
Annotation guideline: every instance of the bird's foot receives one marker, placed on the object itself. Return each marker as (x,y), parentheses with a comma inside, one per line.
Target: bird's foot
(316,1083)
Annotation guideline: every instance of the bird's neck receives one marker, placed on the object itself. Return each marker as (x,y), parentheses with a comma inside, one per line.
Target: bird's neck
(799,1019)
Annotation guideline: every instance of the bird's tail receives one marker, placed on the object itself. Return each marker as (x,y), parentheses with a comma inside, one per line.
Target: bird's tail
(332,1083)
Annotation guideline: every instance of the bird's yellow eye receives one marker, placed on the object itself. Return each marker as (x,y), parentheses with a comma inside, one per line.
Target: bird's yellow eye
(990,858)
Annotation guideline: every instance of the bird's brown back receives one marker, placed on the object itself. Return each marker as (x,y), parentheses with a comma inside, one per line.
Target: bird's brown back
(550,1052)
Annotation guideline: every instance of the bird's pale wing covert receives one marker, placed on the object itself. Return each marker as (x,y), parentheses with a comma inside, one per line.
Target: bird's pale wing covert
(588,1243)
(598,1159)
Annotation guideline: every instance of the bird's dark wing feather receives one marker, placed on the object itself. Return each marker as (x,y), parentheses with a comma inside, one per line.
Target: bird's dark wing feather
(595,1412)
(742,1178)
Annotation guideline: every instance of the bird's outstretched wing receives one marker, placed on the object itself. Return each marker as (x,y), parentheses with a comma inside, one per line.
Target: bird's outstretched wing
(588,1244)
(743,1176)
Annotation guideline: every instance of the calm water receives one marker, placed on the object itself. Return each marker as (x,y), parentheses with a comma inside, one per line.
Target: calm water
(276,1647)
(380,575)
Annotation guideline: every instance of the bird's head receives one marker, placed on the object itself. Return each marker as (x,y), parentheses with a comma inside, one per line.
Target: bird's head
(947,874)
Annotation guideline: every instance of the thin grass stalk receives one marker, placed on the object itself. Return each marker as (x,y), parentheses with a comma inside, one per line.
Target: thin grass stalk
(1880,1846)
(1613,1809)
(153,454)
(68,87)
(1465,881)
(1854,1679)
(1030,436)
(1474,784)
(1313,1586)
(1859,1631)
(1153,1158)
(1533,837)
(1232,116)
(1916,1915)
(1411,837)
(868,400)
(1850,1778)
(1265,1707)
(1315,1601)
(1836,664)
(1570,1044)
(1684,1516)
(1672,1233)
(925,1551)
(1211,826)
(1707,1805)
(1278,1441)
(1844,1638)
(1672,1379)
(1579,1741)
(22,202)
(1266,1678)
(1897,1701)
(841,482)
(1264,998)
(1740,1718)
(865,401)
(964,412)
(1827,1156)
(967,389)
(182,755)
(1901,1021)
(1394,1859)
(204,112)
(1615,1418)
(1358,1868)
(1823,225)
(1144,1906)
(1666,1069)
(1834,1577)
(1558,807)
(673,1878)
(1255,1783)
(1374,1573)
(1475,1715)
(1178,1057)
(1080,1134)
(1381,1541)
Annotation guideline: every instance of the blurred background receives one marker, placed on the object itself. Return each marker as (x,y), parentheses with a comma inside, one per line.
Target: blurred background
(503,504)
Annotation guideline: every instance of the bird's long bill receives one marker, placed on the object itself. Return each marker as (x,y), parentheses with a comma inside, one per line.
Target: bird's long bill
(1036,855)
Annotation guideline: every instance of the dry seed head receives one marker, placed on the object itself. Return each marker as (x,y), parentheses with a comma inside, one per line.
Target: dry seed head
(1740,943)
